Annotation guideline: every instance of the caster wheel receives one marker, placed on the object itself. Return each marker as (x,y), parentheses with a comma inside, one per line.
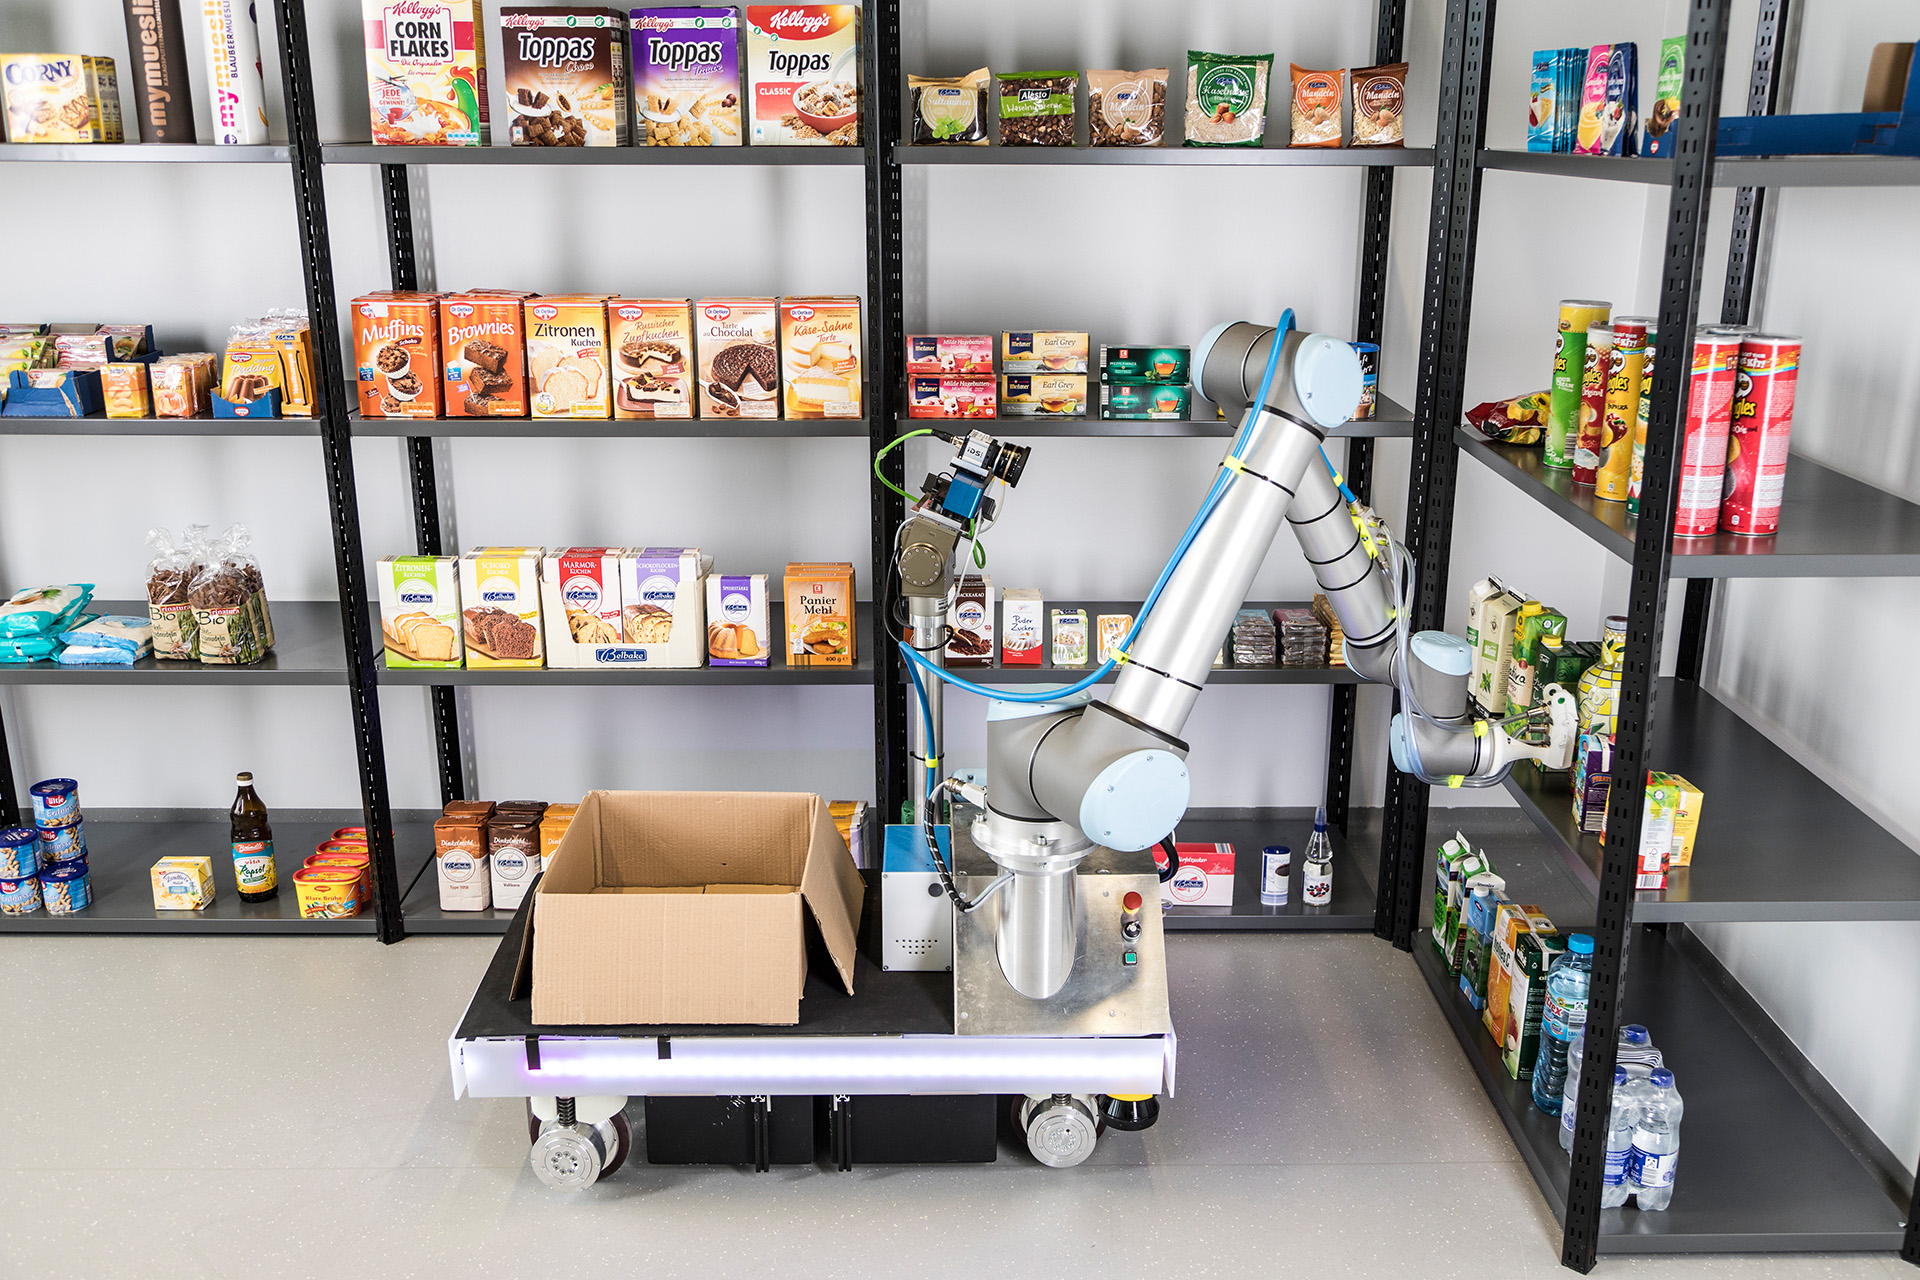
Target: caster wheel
(573,1156)
(533,1124)
(623,1147)
(1061,1130)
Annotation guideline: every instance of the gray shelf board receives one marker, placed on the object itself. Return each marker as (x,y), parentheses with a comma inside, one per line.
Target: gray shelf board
(368,153)
(143,153)
(1390,420)
(159,428)
(1350,910)
(120,857)
(1728,171)
(1742,1112)
(1775,842)
(1319,157)
(616,428)
(1047,673)
(776,672)
(308,650)
(1831,525)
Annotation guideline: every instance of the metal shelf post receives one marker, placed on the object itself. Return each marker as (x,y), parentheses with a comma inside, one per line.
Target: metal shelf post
(336,447)
(1466,64)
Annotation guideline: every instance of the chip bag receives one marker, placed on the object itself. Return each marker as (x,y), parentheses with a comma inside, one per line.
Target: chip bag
(1518,421)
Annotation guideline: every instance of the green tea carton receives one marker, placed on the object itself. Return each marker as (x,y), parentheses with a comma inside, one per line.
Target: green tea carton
(1446,872)
(1533,954)
(1492,612)
(1452,937)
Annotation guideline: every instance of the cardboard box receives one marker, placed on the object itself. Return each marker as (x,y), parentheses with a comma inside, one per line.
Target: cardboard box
(951,395)
(737,342)
(1205,878)
(580,601)
(1043,351)
(61,97)
(182,883)
(688,907)
(652,344)
(500,598)
(820,357)
(1043,395)
(949,353)
(686,77)
(420,611)
(427,72)
(970,623)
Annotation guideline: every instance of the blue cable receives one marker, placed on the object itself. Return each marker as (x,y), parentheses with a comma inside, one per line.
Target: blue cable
(1220,485)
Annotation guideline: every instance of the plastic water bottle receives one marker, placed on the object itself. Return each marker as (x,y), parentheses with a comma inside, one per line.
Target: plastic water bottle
(1620,1130)
(1655,1152)
(1561,1020)
(1633,1050)
(1316,884)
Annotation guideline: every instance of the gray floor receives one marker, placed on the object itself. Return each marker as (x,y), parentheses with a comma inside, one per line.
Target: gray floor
(265,1107)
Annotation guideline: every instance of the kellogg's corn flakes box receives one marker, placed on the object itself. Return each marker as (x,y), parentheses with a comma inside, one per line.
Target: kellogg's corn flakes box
(427,72)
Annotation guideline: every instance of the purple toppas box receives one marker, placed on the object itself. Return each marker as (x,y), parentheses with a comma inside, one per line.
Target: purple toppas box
(686,77)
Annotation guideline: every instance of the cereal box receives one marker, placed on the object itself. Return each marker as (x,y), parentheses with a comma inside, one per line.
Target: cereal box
(566,76)
(484,340)
(951,395)
(1043,351)
(686,77)
(60,97)
(653,368)
(803,74)
(1023,622)
(396,345)
(820,350)
(949,353)
(567,356)
(427,72)
(182,882)
(420,610)
(820,615)
(664,594)
(585,583)
(500,592)
(739,362)
(737,630)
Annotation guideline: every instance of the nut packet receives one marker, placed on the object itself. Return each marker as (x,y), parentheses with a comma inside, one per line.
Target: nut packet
(1379,105)
(1036,108)
(1127,108)
(950,109)
(1227,99)
(1316,106)
(176,632)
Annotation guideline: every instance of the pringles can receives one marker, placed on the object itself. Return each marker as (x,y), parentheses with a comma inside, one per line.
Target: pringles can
(1626,371)
(1590,441)
(1762,417)
(1569,363)
(1703,460)
(1637,468)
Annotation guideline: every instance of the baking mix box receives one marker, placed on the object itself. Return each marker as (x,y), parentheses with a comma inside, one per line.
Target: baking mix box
(737,342)
(396,349)
(651,342)
(792,51)
(420,611)
(738,628)
(427,72)
(500,617)
(820,357)
(663,595)
(580,602)
(1205,878)
(482,336)
(567,368)
(1023,619)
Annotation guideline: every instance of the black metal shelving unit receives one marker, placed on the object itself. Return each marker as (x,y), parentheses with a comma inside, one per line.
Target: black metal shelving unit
(1775,843)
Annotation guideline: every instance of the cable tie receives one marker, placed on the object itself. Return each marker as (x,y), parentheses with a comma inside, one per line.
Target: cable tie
(933,762)
(1234,464)
(1455,781)
(1120,657)
(1479,728)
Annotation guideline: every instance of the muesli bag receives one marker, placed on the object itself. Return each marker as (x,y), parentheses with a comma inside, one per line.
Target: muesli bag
(222,590)
(176,632)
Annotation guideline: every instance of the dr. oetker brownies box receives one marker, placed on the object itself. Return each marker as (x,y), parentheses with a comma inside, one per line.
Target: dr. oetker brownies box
(484,341)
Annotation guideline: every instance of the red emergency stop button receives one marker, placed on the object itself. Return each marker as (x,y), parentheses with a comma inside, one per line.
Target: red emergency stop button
(1131,903)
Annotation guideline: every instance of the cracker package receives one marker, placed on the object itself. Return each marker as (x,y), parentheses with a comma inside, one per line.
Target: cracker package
(1380,105)
(483,336)
(949,109)
(653,369)
(567,371)
(500,613)
(1127,108)
(735,339)
(427,72)
(229,598)
(820,614)
(60,97)
(566,76)
(1316,107)
(686,77)
(396,346)
(1227,99)
(803,74)
(820,357)
(420,611)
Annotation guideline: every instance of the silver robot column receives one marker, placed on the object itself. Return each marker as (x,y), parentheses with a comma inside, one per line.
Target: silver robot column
(928,618)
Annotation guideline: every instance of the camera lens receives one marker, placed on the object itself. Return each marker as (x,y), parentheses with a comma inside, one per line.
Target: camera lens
(1012,461)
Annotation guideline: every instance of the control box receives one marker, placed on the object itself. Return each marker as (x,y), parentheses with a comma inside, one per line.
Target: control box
(916,916)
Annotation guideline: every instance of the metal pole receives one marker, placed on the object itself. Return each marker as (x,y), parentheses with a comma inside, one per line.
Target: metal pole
(1694,137)
(1465,66)
(398,198)
(928,618)
(9,785)
(336,448)
(885,342)
(1376,235)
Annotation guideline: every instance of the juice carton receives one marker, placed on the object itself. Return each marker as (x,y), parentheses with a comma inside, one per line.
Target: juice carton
(1485,894)
(1533,954)
(1686,818)
(1509,922)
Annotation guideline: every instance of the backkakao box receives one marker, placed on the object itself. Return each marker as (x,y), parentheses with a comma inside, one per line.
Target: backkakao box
(396,347)
(820,357)
(567,370)
(653,368)
(483,337)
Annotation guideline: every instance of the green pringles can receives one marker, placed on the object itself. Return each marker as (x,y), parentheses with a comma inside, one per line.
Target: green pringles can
(1569,363)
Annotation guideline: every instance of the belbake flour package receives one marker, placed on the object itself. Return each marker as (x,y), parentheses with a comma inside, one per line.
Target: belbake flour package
(803,74)
(686,77)
(427,72)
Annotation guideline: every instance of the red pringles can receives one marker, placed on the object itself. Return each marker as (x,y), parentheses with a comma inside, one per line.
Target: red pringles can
(1589,444)
(1703,461)
(1769,366)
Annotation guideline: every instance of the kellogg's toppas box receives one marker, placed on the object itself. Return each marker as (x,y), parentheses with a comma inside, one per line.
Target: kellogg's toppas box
(485,344)
(427,72)
(396,348)
(686,77)
(566,76)
(820,349)
(792,52)
(567,356)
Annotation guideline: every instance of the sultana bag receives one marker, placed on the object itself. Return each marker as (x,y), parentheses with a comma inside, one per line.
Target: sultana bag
(950,109)
(176,632)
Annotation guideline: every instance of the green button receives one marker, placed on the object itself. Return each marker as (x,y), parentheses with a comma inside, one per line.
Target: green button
(1129,957)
